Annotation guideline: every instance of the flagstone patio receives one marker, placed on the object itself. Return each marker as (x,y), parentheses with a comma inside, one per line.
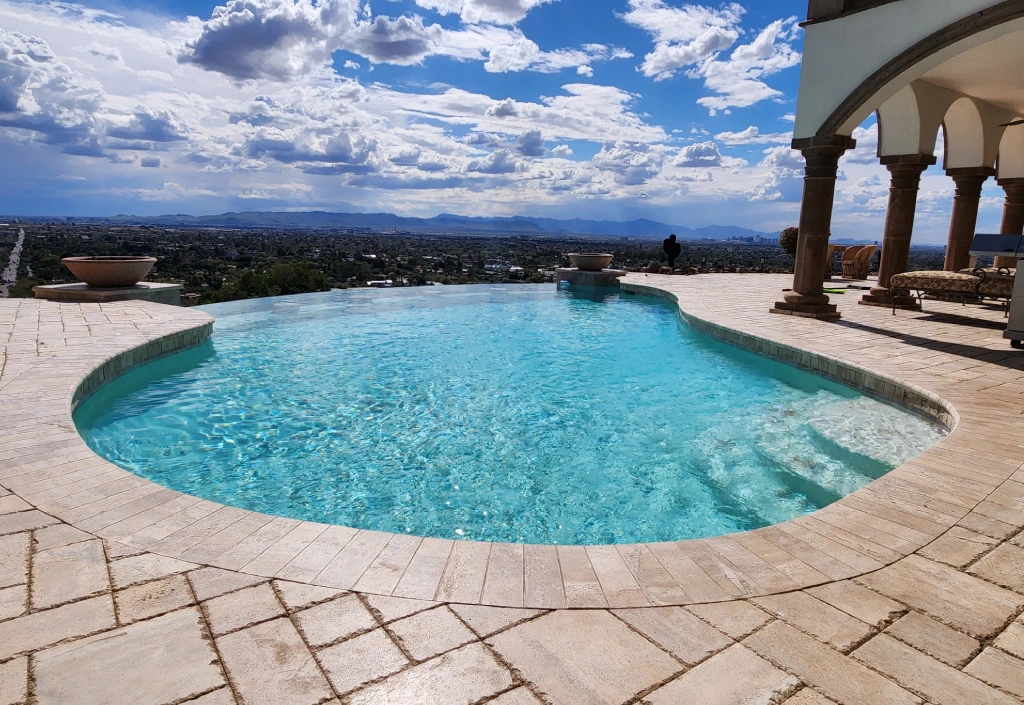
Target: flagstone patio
(113,590)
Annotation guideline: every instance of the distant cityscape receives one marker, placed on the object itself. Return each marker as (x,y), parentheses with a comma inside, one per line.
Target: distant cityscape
(218,263)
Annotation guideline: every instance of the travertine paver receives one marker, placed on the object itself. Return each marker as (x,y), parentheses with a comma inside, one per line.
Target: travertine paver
(235,610)
(677,631)
(1003,566)
(952,610)
(979,608)
(145,567)
(430,633)
(736,675)
(809,697)
(1012,640)
(737,619)
(296,596)
(214,582)
(488,620)
(460,677)
(584,658)
(334,620)
(519,696)
(13,601)
(867,606)
(959,547)
(68,573)
(14,681)
(14,559)
(269,665)
(159,661)
(999,669)
(816,618)
(152,599)
(939,683)
(935,639)
(361,660)
(39,629)
(844,680)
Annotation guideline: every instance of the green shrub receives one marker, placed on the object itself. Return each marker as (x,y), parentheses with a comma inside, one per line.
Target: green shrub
(788,239)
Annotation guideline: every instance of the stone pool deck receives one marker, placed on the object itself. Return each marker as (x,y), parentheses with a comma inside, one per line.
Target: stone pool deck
(114,590)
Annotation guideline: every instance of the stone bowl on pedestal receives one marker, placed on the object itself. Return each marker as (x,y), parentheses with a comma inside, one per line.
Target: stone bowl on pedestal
(110,272)
(591,261)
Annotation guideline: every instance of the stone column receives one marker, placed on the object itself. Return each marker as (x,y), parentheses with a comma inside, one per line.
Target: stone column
(965,215)
(822,156)
(1013,215)
(906,170)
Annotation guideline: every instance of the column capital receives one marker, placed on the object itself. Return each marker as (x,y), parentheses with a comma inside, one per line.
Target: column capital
(969,182)
(979,172)
(910,160)
(824,142)
(906,174)
(1014,188)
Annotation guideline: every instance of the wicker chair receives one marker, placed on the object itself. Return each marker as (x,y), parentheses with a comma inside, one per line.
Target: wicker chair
(849,258)
(857,265)
(832,250)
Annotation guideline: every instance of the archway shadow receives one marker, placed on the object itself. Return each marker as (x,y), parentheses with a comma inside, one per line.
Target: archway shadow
(1008,358)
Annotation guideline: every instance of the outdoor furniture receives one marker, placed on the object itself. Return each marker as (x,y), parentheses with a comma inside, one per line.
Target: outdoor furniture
(857,261)
(832,251)
(965,286)
(849,257)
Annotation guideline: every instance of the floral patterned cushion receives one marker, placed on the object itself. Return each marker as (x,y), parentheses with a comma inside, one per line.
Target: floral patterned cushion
(991,283)
(946,282)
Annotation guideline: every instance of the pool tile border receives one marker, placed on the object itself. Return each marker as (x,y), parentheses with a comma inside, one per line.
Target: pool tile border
(48,465)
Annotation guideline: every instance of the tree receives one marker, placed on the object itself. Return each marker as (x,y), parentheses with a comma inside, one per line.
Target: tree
(788,239)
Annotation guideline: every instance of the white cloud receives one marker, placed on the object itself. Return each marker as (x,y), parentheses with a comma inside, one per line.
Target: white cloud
(500,161)
(585,71)
(632,163)
(702,154)
(271,39)
(562,150)
(737,81)
(683,36)
(783,157)
(531,144)
(483,11)
(42,95)
(752,135)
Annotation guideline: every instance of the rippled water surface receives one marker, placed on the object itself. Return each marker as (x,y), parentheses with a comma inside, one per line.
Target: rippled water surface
(507,413)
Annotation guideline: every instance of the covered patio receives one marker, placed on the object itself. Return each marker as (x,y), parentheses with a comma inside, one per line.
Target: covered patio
(920,66)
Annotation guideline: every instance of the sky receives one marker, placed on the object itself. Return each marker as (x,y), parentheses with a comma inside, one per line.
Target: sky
(603,109)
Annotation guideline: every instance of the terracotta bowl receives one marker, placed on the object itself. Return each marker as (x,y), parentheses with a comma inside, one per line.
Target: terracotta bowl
(591,261)
(110,272)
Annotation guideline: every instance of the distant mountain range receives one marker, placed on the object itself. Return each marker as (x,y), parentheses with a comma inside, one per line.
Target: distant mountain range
(445,223)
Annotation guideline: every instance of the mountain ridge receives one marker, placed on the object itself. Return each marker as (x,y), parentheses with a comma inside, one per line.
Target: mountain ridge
(642,228)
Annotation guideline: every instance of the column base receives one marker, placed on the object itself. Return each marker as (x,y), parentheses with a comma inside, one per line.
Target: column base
(821,312)
(903,303)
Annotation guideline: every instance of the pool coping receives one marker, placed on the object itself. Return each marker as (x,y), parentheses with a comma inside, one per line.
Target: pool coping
(48,464)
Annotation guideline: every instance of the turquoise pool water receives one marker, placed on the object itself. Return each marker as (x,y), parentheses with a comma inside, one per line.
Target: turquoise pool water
(506,413)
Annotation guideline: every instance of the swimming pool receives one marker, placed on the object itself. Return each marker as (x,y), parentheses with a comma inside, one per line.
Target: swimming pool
(514,413)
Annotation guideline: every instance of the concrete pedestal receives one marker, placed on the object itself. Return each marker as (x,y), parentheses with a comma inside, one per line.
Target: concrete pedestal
(580,277)
(83,293)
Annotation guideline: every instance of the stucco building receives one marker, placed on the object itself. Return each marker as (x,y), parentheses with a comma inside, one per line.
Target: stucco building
(921,66)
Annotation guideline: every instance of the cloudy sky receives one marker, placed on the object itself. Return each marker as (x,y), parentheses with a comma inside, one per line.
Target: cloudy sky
(606,109)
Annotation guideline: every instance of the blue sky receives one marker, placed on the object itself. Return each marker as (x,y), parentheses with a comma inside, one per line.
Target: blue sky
(609,109)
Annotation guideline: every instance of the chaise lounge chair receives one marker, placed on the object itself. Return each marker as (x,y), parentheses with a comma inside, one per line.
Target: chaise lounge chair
(965,286)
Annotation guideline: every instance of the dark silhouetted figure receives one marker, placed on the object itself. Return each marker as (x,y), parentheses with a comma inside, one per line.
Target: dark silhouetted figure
(672,249)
